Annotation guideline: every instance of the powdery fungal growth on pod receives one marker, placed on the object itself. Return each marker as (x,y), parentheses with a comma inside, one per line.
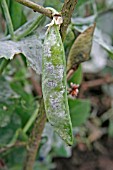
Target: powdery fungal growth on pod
(54,84)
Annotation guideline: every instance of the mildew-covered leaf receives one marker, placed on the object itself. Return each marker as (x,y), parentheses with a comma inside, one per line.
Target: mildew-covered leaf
(81,48)
(8,49)
(107,47)
(31,47)
(35,23)
(54,84)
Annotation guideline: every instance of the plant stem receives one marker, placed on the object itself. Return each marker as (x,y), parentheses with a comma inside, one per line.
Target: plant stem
(30,121)
(67,11)
(7,147)
(8,18)
(11,31)
(13,140)
(35,24)
(36,7)
(3,65)
(35,137)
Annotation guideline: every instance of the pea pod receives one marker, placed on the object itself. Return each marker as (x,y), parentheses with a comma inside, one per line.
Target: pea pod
(54,84)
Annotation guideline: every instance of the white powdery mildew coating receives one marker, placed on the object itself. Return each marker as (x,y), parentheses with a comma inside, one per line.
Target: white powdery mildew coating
(52,39)
(56,104)
(54,85)
(65,134)
(50,68)
(60,72)
(49,43)
(47,50)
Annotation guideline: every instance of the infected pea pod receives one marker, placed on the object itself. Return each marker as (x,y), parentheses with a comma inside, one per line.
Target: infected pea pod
(54,86)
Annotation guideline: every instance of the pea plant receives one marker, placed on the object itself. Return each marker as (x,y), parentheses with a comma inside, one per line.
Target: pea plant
(39,104)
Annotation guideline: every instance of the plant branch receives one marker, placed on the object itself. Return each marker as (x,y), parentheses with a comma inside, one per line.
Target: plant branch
(30,121)
(93,83)
(36,7)
(8,18)
(5,62)
(71,72)
(35,138)
(36,85)
(7,147)
(30,28)
(67,11)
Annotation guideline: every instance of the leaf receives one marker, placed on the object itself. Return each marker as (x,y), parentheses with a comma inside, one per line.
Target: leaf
(103,44)
(7,132)
(81,2)
(48,134)
(53,144)
(79,111)
(110,129)
(98,38)
(31,47)
(77,76)
(81,48)
(54,4)
(105,24)
(29,27)
(7,96)
(79,21)
(60,148)
(70,37)
(79,5)
(17,15)
(26,103)
(12,49)
(15,158)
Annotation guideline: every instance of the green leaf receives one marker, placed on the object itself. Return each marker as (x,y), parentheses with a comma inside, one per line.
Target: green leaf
(79,111)
(111,55)
(17,15)
(109,116)
(70,37)
(7,132)
(81,2)
(54,4)
(77,76)
(15,158)
(110,129)
(26,103)
(7,100)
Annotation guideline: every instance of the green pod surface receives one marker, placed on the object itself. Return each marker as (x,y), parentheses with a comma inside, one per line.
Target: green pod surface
(54,86)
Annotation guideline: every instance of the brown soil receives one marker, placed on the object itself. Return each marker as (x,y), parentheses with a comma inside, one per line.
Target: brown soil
(88,160)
